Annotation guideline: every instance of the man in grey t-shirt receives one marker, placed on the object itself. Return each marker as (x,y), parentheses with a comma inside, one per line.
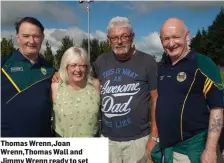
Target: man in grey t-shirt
(128,80)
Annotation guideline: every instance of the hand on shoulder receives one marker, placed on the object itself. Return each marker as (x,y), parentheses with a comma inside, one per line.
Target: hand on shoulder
(54,87)
(97,85)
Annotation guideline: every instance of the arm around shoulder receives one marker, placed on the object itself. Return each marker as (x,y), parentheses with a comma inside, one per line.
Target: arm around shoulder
(97,85)
(54,87)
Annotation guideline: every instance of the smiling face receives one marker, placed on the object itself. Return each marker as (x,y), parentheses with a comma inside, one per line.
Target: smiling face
(120,39)
(29,38)
(174,38)
(77,71)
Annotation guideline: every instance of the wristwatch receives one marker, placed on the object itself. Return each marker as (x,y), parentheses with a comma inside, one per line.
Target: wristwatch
(154,139)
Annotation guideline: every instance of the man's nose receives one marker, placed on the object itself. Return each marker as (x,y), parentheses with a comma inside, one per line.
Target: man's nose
(171,42)
(119,40)
(31,39)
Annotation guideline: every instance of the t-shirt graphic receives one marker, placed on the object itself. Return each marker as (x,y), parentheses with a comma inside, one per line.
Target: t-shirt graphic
(125,88)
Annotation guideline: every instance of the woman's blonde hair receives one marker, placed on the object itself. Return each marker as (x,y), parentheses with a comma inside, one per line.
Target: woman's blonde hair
(74,55)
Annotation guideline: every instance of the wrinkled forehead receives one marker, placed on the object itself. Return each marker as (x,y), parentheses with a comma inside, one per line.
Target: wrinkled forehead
(170,30)
(29,28)
(119,30)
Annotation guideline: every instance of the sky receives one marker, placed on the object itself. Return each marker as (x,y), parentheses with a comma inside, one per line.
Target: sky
(69,18)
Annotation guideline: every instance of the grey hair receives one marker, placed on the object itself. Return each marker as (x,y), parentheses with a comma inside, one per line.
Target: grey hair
(119,21)
(71,55)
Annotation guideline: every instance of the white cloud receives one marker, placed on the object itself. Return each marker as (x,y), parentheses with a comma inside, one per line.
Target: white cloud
(54,36)
(12,11)
(100,35)
(151,44)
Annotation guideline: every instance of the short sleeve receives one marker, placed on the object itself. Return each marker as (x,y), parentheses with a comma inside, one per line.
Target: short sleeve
(95,68)
(213,87)
(152,74)
(214,90)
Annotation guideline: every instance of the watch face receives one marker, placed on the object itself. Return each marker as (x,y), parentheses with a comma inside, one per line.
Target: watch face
(155,139)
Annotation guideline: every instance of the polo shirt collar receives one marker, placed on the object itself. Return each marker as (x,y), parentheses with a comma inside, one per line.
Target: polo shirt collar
(18,56)
(190,56)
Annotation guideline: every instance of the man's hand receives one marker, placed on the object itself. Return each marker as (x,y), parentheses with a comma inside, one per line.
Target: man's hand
(209,156)
(215,126)
(55,78)
(149,146)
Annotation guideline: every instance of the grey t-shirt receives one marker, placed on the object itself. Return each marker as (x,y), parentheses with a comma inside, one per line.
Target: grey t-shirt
(125,88)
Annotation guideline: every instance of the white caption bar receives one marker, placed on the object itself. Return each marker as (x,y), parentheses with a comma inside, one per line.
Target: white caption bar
(53,150)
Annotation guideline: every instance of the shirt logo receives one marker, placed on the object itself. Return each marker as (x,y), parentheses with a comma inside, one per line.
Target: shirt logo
(43,70)
(16,69)
(161,77)
(181,76)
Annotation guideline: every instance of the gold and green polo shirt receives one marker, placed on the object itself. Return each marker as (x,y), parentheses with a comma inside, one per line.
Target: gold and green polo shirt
(186,93)
(26,100)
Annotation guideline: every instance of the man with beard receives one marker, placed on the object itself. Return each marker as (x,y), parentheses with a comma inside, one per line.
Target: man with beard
(128,79)
(25,85)
(189,110)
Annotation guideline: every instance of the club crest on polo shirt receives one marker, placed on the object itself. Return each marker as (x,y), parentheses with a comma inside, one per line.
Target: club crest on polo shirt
(16,69)
(181,76)
(43,70)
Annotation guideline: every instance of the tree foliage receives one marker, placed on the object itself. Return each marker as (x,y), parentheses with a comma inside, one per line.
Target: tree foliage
(105,47)
(211,42)
(96,48)
(163,59)
(7,46)
(66,43)
(48,54)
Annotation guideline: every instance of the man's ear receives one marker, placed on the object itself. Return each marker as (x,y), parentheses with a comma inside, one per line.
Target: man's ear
(188,36)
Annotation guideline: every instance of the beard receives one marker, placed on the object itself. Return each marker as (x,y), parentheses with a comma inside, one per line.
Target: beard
(121,50)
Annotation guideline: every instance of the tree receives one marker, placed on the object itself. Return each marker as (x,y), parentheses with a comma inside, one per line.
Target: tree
(105,47)
(211,42)
(7,46)
(204,42)
(196,41)
(163,59)
(84,44)
(94,50)
(216,38)
(48,55)
(66,43)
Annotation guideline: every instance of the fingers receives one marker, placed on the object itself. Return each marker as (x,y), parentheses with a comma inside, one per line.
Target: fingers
(55,78)
(150,161)
(149,156)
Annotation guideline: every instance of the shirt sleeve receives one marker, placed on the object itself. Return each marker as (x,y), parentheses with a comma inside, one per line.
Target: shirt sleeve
(152,74)
(213,88)
(95,68)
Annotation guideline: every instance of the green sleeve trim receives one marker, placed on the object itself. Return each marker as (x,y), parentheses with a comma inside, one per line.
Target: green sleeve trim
(209,69)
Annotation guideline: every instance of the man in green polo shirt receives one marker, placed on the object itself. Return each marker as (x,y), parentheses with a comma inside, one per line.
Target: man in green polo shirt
(25,87)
